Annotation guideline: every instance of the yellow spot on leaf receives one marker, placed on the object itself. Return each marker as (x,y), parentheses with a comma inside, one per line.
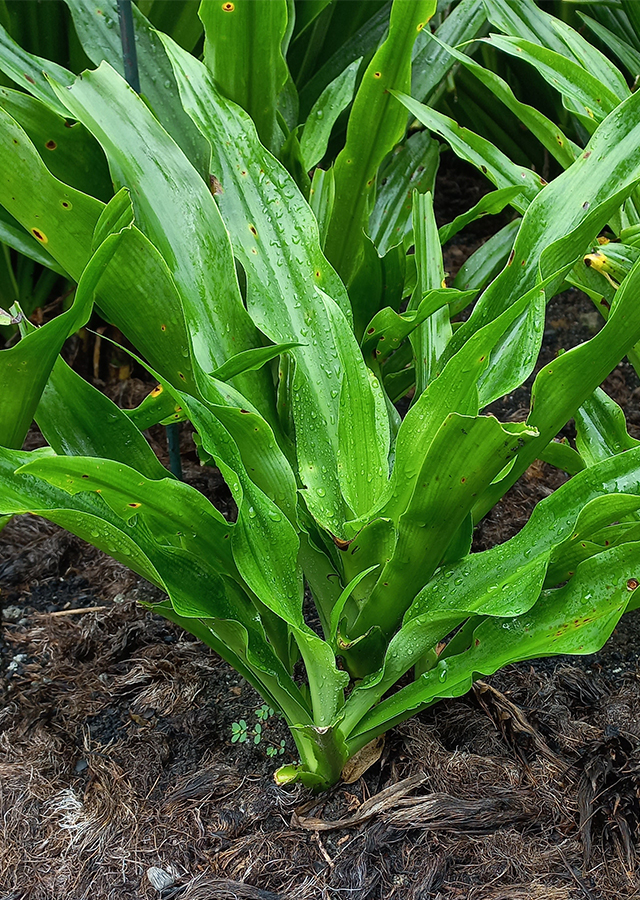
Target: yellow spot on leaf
(40,235)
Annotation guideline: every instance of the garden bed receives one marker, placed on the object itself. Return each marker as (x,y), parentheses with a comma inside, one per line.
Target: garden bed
(119,777)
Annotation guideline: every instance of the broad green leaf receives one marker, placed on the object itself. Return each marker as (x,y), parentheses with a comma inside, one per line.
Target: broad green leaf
(489,205)
(369,544)
(485,262)
(156,406)
(463,458)
(117,215)
(360,42)
(626,53)
(549,134)
(392,328)
(30,72)
(577,618)
(25,368)
(495,583)
(97,25)
(249,360)
(363,424)
(377,122)
(326,681)
(18,238)
(240,441)
(590,537)
(79,420)
(564,384)
(431,337)
(413,166)
(523,19)
(60,218)
(265,544)
(196,590)
(243,52)
(169,198)
(588,95)
(567,215)
(137,291)
(444,395)
(514,355)
(338,609)
(321,198)
(431,63)
(479,152)
(332,101)
(176,514)
(561,455)
(68,150)
(601,429)
(292,292)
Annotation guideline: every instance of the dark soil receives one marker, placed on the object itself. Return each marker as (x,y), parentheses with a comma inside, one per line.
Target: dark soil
(119,777)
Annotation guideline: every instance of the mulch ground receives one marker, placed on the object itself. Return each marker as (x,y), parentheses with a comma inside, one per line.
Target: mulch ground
(119,777)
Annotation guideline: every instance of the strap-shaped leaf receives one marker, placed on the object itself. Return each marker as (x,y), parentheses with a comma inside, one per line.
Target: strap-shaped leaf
(176,514)
(577,618)
(177,18)
(249,360)
(15,236)
(243,52)
(360,38)
(168,197)
(59,217)
(478,151)
(445,394)
(196,591)
(548,133)
(485,263)
(292,292)
(413,166)
(489,582)
(97,26)
(31,72)
(563,385)
(244,646)
(68,150)
(376,124)
(626,53)
(79,420)
(430,63)
(388,328)
(431,337)
(465,455)
(568,214)
(332,101)
(601,429)
(524,19)
(588,95)
(25,368)
(489,205)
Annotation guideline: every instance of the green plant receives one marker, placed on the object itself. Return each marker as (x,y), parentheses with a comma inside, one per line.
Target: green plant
(240,731)
(210,260)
